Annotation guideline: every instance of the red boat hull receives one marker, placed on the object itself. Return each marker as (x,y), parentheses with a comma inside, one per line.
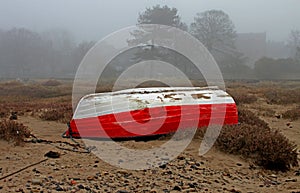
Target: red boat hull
(171,117)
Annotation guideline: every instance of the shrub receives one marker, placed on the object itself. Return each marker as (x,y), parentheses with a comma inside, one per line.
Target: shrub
(264,111)
(242,98)
(61,113)
(255,140)
(293,114)
(13,131)
(242,94)
(282,96)
(33,90)
(248,117)
(13,83)
(4,112)
(51,83)
(51,115)
(268,148)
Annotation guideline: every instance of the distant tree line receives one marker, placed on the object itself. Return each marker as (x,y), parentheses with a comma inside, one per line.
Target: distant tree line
(272,69)
(283,68)
(217,33)
(24,53)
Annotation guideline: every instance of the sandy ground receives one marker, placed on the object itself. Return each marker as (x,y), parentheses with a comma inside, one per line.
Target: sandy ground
(81,172)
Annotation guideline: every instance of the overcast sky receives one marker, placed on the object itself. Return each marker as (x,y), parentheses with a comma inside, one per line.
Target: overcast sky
(93,19)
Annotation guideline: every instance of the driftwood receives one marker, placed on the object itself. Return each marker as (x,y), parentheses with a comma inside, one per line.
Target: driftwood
(22,169)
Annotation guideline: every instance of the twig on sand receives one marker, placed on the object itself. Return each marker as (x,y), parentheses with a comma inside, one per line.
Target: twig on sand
(75,146)
(24,168)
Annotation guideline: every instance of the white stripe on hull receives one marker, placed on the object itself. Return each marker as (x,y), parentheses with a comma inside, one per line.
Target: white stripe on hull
(134,99)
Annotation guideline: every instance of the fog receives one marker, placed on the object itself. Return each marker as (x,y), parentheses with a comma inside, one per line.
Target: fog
(93,19)
(49,38)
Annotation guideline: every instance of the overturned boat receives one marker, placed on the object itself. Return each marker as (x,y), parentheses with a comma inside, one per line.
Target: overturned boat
(150,111)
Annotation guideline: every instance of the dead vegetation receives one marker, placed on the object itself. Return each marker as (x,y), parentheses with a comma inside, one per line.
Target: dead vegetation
(49,100)
(253,139)
(263,111)
(242,97)
(282,96)
(4,112)
(49,110)
(33,90)
(61,112)
(293,114)
(51,82)
(13,131)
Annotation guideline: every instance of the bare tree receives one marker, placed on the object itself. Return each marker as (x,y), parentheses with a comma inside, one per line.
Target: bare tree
(80,51)
(20,51)
(214,29)
(24,54)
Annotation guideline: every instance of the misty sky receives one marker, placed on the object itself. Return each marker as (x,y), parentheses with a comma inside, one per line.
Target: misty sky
(93,19)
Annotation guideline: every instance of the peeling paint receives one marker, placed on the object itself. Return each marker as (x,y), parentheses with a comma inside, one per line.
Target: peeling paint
(199,96)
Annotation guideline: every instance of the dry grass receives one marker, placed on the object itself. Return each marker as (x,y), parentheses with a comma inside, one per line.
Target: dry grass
(252,139)
(50,100)
(60,112)
(13,131)
(255,140)
(248,117)
(243,93)
(33,90)
(262,110)
(267,148)
(282,96)
(4,112)
(293,114)
(51,82)
(243,98)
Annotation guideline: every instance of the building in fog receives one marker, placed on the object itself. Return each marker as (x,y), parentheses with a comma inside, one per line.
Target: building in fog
(255,46)
(277,50)
(252,45)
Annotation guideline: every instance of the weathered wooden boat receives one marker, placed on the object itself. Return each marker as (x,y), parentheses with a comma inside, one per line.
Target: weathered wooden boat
(135,112)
